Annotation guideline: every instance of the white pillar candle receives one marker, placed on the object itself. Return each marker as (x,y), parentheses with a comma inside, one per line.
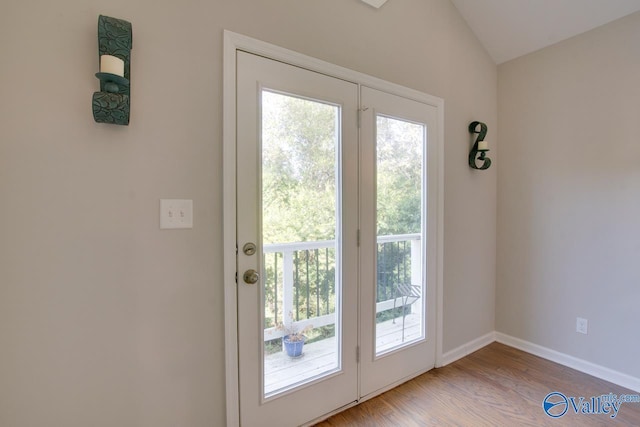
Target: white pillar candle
(112,64)
(483,145)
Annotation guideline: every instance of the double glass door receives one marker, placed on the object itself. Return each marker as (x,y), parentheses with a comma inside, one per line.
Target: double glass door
(334,293)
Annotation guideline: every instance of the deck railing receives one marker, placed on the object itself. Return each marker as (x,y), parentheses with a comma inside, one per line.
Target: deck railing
(300,281)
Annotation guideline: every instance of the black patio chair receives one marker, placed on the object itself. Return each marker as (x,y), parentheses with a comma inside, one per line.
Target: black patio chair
(408,294)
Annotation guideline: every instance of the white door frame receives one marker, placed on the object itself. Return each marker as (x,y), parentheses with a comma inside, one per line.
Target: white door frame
(232,43)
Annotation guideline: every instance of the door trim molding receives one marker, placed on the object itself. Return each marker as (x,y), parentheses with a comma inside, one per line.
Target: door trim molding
(229,248)
(232,43)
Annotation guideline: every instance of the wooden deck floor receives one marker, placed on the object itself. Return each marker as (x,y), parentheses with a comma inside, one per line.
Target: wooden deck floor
(495,386)
(320,357)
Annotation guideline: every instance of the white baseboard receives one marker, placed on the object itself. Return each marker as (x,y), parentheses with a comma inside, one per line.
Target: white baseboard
(615,377)
(592,369)
(466,349)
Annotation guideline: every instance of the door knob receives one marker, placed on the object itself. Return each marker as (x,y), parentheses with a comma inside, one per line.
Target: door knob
(251,277)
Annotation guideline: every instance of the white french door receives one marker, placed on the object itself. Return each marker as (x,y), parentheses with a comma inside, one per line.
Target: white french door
(297,205)
(336,219)
(398,223)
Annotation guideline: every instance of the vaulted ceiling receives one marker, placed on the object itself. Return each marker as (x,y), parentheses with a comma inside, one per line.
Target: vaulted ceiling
(512,28)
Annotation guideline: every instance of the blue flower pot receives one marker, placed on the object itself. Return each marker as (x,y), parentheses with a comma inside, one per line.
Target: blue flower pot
(293,348)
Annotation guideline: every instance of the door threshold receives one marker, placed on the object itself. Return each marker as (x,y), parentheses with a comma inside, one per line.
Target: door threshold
(367,397)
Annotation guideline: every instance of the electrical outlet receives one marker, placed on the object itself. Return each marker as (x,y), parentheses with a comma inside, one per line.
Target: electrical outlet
(582,325)
(176,213)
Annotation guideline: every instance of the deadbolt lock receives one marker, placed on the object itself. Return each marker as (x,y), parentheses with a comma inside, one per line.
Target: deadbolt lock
(249,248)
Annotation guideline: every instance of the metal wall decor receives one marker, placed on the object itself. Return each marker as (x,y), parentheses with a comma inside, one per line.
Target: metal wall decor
(112,103)
(480,146)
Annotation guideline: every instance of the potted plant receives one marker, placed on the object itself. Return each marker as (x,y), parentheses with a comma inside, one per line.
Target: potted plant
(293,339)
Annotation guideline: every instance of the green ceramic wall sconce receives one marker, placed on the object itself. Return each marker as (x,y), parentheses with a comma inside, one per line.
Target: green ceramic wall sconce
(112,103)
(480,146)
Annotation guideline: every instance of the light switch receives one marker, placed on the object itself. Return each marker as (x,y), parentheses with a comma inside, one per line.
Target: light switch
(176,213)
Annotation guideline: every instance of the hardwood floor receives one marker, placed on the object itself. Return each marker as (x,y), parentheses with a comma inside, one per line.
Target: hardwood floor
(495,386)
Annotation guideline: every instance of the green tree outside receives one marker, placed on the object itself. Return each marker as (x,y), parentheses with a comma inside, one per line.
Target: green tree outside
(300,151)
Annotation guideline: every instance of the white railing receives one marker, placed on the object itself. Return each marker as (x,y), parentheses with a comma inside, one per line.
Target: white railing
(288,251)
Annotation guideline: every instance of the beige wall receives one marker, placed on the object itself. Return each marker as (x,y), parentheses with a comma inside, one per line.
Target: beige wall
(569,196)
(105,320)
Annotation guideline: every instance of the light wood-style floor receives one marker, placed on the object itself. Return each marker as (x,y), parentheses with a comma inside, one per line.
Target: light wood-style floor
(495,386)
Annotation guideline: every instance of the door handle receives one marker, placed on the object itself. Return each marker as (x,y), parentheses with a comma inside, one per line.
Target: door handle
(251,277)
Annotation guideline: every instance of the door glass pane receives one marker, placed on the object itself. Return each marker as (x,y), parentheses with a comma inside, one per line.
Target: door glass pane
(399,217)
(300,235)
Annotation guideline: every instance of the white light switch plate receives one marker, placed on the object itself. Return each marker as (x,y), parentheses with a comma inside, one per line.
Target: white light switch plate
(176,213)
